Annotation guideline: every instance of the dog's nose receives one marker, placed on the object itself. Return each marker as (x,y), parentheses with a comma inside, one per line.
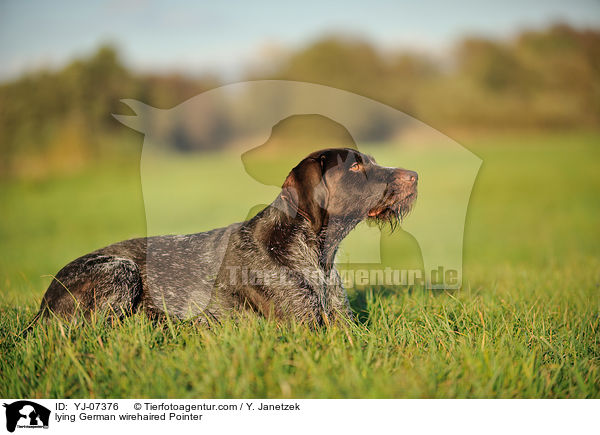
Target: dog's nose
(407,176)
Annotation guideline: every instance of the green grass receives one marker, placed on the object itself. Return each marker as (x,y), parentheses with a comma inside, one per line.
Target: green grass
(525,324)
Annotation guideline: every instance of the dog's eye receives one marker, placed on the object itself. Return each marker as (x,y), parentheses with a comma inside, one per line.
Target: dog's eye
(355,167)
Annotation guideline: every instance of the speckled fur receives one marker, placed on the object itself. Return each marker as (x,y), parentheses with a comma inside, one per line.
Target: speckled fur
(278,264)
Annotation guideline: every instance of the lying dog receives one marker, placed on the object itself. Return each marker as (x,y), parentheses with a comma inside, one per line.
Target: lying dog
(278,264)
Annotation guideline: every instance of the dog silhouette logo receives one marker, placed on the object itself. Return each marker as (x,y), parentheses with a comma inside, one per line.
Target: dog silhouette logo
(274,124)
(26,414)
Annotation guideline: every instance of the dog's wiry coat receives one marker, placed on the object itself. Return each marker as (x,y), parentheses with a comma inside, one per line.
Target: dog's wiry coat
(279,263)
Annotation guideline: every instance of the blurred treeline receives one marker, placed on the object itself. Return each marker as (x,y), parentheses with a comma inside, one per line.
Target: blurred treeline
(62,119)
(544,79)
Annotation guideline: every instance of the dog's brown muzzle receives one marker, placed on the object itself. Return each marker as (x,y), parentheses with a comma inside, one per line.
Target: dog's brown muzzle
(399,196)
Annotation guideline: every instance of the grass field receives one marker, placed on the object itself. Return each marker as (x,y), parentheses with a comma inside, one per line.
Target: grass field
(524,325)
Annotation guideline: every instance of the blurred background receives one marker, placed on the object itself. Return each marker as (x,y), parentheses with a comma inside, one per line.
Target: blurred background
(516,82)
(465,67)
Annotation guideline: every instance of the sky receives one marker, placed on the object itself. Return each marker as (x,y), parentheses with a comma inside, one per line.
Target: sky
(224,37)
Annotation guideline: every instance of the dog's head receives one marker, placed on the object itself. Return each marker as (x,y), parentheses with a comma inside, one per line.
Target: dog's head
(347,184)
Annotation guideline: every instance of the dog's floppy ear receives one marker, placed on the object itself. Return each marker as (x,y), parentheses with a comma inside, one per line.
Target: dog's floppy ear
(306,189)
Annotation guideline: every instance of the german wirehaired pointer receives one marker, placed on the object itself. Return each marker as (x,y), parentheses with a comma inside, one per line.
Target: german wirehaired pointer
(278,264)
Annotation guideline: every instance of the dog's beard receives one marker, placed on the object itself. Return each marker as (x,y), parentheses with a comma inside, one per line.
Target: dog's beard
(395,206)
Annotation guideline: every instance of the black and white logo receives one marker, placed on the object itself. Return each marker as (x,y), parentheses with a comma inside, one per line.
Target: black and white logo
(26,414)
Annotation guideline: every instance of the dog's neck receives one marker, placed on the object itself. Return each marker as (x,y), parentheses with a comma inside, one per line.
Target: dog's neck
(330,236)
(323,236)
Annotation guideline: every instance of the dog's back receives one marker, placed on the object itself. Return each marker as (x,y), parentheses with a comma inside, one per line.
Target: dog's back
(174,273)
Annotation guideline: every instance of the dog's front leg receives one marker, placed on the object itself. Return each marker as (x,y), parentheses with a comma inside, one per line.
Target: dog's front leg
(338,306)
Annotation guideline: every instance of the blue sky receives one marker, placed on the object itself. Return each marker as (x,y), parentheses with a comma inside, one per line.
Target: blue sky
(224,37)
